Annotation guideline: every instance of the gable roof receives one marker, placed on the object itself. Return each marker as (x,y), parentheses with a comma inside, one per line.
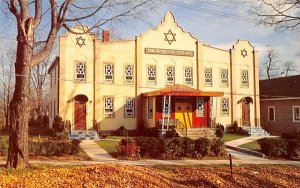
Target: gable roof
(280,87)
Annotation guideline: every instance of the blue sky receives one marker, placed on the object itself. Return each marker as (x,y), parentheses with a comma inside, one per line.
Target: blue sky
(210,21)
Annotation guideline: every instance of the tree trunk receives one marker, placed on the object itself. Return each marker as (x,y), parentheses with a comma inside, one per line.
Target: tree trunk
(19,106)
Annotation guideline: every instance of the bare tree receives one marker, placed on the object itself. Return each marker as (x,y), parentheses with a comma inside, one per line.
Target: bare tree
(288,67)
(282,14)
(7,81)
(269,66)
(62,14)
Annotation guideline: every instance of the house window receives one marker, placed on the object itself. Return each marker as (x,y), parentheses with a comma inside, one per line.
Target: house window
(80,71)
(224,77)
(170,75)
(188,75)
(129,108)
(244,78)
(271,113)
(200,107)
(109,73)
(166,107)
(151,74)
(129,74)
(208,77)
(296,113)
(109,107)
(225,106)
(150,107)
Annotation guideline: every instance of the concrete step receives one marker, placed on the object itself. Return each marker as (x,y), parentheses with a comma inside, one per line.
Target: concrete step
(255,131)
(84,135)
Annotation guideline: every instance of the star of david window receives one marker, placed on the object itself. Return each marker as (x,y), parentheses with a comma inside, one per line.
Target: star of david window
(170,37)
(224,106)
(224,77)
(129,107)
(208,76)
(109,73)
(244,53)
(170,75)
(188,75)
(200,107)
(80,41)
(128,74)
(109,107)
(244,78)
(80,71)
(151,74)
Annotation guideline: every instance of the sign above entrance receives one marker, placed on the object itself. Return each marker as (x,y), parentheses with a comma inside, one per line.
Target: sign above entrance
(169,52)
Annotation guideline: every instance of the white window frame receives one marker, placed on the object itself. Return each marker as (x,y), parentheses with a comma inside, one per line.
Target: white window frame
(106,76)
(150,107)
(109,111)
(129,112)
(188,80)
(126,80)
(244,83)
(208,81)
(296,119)
(224,82)
(269,118)
(151,81)
(170,80)
(77,74)
(223,112)
(200,103)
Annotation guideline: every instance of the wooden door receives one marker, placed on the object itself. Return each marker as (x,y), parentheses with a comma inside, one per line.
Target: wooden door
(80,115)
(184,113)
(246,114)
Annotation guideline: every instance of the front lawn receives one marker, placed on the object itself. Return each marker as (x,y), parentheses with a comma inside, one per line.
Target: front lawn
(117,175)
(109,146)
(229,137)
(251,146)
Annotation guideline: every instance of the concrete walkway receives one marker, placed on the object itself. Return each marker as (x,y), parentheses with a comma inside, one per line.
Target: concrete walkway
(95,152)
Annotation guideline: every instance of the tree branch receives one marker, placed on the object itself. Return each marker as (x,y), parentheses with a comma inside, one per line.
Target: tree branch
(38,13)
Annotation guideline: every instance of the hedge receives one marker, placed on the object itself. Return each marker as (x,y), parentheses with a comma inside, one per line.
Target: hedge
(171,148)
(280,147)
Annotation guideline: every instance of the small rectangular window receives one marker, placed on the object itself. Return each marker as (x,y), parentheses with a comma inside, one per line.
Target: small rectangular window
(166,106)
(224,77)
(129,107)
(200,107)
(170,74)
(129,76)
(208,77)
(109,107)
(80,71)
(109,73)
(296,113)
(151,74)
(271,113)
(225,106)
(188,75)
(244,78)
(150,107)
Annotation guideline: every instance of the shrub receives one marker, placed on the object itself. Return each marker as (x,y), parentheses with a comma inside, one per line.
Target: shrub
(150,146)
(202,147)
(242,131)
(152,132)
(293,148)
(217,147)
(219,130)
(58,125)
(178,147)
(291,135)
(122,131)
(171,133)
(128,148)
(64,135)
(273,147)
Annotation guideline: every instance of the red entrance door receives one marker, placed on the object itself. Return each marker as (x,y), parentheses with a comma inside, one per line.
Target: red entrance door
(246,114)
(80,115)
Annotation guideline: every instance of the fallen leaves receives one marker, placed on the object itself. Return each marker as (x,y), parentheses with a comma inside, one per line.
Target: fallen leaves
(117,175)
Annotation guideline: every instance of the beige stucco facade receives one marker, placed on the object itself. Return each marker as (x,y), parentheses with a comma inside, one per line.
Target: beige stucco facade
(102,77)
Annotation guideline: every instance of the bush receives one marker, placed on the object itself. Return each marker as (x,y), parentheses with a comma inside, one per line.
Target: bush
(202,147)
(150,146)
(291,135)
(219,130)
(152,132)
(273,147)
(58,125)
(128,148)
(217,147)
(122,131)
(171,133)
(293,149)
(64,135)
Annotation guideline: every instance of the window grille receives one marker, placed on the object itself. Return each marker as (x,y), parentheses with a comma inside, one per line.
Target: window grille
(208,77)
(129,74)
(200,107)
(170,76)
(80,71)
(109,73)
(151,74)
(225,106)
(109,107)
(129,107)
(188,75)
(224,77)
(244,78)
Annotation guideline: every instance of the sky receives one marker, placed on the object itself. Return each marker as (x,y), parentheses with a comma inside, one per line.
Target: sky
(215,22)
